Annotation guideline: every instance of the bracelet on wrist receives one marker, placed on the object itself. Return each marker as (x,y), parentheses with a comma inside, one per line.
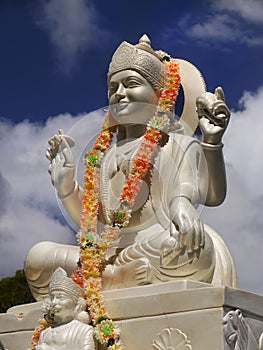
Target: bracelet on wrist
(75,188)
(211,147)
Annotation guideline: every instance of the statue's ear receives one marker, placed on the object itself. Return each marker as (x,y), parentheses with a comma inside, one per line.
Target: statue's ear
(81,306)
(239,313)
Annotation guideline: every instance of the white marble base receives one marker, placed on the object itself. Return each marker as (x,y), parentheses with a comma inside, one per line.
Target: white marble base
(185,311)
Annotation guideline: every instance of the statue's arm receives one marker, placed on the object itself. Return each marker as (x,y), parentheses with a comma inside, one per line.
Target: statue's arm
(186,225)
(212,179)
(62,171)
(213,120)
(72,202)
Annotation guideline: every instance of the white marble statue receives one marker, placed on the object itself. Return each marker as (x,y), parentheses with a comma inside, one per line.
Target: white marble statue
(67,310)
(165,238)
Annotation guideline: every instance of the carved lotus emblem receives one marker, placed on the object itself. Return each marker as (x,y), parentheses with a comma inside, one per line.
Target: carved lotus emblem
(171,339)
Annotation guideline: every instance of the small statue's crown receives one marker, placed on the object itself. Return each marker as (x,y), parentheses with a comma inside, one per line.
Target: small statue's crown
(60,282)
(141,58)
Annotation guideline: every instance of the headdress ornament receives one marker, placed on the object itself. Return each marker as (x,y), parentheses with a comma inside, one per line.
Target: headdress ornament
(60,282)
(141,58)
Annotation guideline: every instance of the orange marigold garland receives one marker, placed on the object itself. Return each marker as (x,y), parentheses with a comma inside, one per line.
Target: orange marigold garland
(42,325)
(92,246)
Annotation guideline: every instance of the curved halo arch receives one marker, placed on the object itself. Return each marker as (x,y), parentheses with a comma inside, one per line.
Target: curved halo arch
(193,85)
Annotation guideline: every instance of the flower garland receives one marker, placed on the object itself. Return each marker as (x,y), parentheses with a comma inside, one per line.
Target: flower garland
(43,323)
(92,246)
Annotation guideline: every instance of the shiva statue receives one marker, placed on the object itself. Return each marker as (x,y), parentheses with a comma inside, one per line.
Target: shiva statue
(67,313)
(141,194)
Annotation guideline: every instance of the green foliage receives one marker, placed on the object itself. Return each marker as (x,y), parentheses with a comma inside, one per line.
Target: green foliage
(14,291)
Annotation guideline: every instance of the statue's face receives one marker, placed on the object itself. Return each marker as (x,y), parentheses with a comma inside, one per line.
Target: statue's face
(131,97)
(63,306)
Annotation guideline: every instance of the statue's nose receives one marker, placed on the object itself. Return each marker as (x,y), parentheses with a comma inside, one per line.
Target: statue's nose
(120,93)
(54,301)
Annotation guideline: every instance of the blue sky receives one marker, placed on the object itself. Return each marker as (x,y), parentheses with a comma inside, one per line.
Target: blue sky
(54,61)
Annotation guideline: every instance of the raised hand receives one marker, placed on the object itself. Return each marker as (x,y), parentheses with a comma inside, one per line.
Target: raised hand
(213,115)
(62,165)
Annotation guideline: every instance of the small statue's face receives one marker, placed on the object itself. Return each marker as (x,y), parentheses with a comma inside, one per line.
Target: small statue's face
(62,306)
(131,97)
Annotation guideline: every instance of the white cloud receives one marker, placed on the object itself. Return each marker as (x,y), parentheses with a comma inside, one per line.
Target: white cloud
(219,27)
(225,21)
(29,212)
(239,220)
(251,10)
(72,28)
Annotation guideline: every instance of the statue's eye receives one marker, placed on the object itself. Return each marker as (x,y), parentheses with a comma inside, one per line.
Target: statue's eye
(113,88)
(62,296)
(132,83)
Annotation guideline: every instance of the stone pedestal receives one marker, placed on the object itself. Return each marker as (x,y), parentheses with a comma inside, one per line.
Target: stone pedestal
(175,315)
(17,325)
(194,309)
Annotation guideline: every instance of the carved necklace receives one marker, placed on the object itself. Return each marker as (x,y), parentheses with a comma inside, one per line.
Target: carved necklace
(92,245)
(123,163)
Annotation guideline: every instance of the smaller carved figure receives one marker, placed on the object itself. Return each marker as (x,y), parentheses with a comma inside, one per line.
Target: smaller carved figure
(237,332)
(70,330)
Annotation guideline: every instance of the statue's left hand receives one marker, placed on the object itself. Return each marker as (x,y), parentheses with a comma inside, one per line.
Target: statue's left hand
(189,231)
(62,165)
(213,115)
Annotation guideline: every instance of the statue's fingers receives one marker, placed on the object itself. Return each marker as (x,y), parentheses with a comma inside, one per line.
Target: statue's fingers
(61,132)
(184,236)
(54,142)
(53,170)
(219,93)
(57,139)
(221,108)
(204,123)
(189,236)
(68,157)
(199,230)
(49,154)
(189,241)
(200,106)
(49,168)
(202,234)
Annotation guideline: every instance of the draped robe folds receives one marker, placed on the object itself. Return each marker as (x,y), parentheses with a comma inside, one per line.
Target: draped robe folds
(175,173)
(73,335)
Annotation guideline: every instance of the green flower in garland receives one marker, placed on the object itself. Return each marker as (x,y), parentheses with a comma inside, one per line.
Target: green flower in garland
(106,331)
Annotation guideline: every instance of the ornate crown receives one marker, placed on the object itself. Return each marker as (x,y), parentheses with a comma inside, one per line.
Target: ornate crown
(141,58)
(60,282)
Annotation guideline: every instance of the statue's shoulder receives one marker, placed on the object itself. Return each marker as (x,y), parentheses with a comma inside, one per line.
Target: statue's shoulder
(79,324)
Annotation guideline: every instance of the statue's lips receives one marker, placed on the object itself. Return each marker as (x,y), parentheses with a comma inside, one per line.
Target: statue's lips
(121,106)
(55,309)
